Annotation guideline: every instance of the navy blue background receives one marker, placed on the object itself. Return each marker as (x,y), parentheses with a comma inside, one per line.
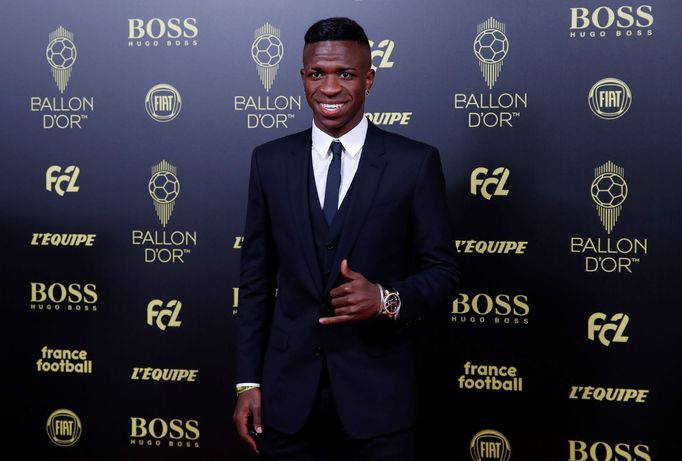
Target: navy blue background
(551,152)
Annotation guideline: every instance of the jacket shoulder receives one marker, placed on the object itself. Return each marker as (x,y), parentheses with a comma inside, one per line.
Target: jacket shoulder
(283,144)
(397,141)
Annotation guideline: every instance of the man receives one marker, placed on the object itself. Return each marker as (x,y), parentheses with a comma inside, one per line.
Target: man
(347,241)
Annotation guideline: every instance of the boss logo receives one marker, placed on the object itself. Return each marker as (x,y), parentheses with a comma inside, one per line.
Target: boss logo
(604,17)
(158,28)
(499,305)
(58,293)
(602,451)
(175,432)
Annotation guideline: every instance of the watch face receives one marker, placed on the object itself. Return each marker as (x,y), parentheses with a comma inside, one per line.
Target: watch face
(392,303)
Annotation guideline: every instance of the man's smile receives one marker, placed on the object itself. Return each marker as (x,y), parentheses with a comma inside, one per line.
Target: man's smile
(331,108)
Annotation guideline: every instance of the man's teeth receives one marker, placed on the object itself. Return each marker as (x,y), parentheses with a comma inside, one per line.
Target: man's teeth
(331,106)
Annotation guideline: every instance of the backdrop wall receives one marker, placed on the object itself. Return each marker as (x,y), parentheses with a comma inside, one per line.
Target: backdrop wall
(126,138)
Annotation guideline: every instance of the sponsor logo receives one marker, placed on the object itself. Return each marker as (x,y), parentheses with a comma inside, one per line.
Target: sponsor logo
(608,332)
(64,427)
(389,118)
(63,240)
(602,451)
(61,54)
(58,112)
(238,242)
(55,296)
(604,21)
(381,54)
(491,246)
(609,98)
(64,182)
(608,394)
(491,47)
(490,445)
(164,247)
(163,316)
(490,378)
(497,179)
(483,308)
(609,191)
(155,32)
(63,361)
(235,300)
(163,102)
(264,111)
(164,374)
(159,432)
(267,51)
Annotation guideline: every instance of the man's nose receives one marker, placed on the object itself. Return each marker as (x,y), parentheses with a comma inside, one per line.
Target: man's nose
(330,85)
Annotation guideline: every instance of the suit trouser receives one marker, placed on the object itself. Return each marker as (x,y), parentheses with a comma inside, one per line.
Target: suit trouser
(323,438)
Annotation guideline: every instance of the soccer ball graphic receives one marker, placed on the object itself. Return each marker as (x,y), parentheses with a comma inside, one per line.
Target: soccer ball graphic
(267,50)
(609,190)
(61,53)
(164,187)
(491,46)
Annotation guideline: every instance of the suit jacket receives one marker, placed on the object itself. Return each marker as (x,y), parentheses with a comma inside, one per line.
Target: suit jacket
(397,232)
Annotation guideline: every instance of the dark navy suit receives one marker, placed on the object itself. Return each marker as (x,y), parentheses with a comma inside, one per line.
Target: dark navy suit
(393,227)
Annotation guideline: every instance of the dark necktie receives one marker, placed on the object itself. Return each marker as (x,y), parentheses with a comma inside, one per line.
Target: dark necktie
(331,194)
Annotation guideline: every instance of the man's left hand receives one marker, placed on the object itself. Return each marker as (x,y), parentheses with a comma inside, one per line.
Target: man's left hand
(357,299)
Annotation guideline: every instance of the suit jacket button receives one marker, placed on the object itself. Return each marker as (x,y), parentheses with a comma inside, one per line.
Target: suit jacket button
(318,350)
(331,245)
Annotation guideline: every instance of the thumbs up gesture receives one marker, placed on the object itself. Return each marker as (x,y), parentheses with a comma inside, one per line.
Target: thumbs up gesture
(355,300)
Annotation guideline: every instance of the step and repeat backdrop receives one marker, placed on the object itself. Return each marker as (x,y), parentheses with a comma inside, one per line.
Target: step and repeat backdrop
(126,140)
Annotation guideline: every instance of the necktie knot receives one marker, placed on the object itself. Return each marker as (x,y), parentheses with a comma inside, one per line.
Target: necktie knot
(336,147)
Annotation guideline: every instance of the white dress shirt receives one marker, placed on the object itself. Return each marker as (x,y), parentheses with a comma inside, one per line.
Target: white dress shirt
(350,157)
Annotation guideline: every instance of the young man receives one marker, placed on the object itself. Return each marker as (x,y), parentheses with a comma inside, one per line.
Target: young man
(347,240)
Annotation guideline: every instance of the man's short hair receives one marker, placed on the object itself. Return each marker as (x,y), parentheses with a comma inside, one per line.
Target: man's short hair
(336,29)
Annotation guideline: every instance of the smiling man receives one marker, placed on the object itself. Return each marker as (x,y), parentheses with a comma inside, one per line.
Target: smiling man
(347,242)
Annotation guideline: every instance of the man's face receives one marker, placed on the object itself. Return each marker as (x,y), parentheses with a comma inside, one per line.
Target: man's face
(335,76)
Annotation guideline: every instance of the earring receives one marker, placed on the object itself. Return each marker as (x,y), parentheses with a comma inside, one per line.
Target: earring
(366,92)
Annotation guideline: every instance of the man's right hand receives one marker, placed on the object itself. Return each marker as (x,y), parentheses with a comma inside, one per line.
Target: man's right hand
(248,408)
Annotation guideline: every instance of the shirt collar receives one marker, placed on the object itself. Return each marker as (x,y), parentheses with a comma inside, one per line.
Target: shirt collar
(352,141)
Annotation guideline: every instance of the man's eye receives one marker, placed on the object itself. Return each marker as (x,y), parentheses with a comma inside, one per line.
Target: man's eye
(345,75)
(316,74)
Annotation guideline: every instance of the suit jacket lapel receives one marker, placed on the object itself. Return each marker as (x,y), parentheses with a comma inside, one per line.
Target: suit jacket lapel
(365,183)
(297,179)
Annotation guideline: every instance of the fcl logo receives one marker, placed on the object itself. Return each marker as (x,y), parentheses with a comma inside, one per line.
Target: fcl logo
(383,51)
(615,328)
(498,179)
(157,313)
(69,178)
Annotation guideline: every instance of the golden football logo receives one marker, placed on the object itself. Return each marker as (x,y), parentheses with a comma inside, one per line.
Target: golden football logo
(609,190)
(267,51)
(61,54)
(164,189)
(491,47)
